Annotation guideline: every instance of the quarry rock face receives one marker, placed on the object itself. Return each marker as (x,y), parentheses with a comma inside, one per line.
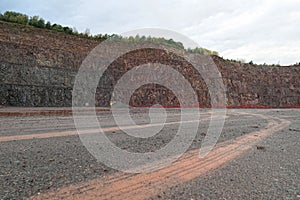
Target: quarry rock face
(38,68)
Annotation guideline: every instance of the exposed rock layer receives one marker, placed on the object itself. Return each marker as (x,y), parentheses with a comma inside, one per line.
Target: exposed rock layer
(38,68)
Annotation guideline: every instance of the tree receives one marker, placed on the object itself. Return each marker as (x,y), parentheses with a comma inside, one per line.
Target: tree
(143,38)
(48,25)
(68,30)
(33,21)
(22,19)
(215,53)
(15,17)
(87,32)
(57,27)
(41,23)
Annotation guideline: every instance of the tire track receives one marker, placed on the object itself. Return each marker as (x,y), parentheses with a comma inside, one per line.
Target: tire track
(188,167)
(88,131)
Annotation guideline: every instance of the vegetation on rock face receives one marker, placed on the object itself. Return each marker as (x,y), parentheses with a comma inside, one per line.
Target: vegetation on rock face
(153,40)
(15,17)
(203,51)
(36,21)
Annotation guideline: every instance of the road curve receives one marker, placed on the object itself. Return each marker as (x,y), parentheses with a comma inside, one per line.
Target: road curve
(143,186)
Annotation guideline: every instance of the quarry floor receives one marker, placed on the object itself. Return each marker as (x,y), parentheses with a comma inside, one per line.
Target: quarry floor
(257,157)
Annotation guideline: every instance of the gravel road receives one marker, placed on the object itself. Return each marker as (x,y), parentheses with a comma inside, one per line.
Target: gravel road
(270,169)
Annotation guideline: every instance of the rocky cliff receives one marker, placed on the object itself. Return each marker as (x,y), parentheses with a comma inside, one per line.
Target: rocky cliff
(38,68)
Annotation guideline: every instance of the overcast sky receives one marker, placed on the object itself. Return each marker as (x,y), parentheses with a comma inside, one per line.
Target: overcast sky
(259,30)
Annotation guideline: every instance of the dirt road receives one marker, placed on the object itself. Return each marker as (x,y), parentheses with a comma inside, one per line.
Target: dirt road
(256,156)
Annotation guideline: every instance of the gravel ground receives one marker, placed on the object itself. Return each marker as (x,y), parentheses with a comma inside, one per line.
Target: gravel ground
(32,166)
(269,171)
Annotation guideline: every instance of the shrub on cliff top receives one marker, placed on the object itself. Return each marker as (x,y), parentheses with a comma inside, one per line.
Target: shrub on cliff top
(36,21)
(14,17)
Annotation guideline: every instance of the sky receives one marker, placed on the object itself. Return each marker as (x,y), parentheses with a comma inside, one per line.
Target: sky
(264,31)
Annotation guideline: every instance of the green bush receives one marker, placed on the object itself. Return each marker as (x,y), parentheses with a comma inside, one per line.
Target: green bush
(14,17)
(38,22)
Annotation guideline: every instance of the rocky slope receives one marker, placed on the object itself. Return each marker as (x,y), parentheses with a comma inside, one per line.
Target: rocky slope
(38,68)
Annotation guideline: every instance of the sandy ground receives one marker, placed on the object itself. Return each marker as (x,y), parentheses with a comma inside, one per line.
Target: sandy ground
(43,157)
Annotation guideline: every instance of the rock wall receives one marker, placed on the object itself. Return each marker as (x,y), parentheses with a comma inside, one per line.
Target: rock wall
(38,68)
(270,86)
